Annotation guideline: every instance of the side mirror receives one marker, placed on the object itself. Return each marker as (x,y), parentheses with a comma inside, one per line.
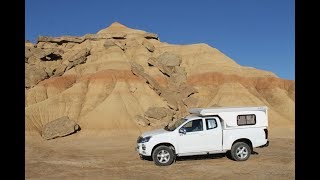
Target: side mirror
(182,130)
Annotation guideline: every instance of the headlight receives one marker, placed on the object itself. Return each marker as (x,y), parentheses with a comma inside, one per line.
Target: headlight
(146,139)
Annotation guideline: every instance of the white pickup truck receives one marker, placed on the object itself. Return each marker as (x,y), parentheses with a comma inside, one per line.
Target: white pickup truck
(235,130)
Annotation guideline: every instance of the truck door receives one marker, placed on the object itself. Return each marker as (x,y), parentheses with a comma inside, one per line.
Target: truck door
(193,140)
(213,134)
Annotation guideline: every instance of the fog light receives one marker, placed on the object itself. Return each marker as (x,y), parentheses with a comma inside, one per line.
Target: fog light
(143,147)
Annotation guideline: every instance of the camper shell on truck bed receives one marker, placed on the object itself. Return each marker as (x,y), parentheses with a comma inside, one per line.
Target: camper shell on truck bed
(233,117)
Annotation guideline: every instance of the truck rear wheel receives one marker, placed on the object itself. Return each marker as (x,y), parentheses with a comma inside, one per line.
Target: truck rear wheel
(240,151)
(163,156)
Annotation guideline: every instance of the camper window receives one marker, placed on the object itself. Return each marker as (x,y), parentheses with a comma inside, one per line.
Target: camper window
(246,119)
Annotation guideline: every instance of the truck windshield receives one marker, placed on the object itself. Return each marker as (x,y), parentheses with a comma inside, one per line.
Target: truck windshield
(175,125)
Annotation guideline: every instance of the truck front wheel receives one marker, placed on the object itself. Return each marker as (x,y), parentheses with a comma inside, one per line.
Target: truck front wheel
(163,156)
(240,151)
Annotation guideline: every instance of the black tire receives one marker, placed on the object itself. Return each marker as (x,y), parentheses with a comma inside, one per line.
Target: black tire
(240,151)
(163,156)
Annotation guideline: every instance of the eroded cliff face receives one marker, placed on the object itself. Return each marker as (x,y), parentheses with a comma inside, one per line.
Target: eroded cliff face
(123,80)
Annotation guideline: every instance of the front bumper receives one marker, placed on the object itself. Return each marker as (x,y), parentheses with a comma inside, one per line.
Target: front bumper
(142,149)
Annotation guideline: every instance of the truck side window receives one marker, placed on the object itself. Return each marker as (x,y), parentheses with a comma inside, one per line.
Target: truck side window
(195,125)
(246,119)
(211,123)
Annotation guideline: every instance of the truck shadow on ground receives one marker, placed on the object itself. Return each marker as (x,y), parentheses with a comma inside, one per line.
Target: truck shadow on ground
(194,157)
(200,157)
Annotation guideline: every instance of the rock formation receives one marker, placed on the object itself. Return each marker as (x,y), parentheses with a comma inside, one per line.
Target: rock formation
(60,127)
(50,60)
(123,80)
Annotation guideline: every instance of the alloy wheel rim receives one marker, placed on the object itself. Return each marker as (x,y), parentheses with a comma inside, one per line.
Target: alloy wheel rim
(242,152)
(163,156)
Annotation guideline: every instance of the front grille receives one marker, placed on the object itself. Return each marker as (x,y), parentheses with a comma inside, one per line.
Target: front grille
(139,139)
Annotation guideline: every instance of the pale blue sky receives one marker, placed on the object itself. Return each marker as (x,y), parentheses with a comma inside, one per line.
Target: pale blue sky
(256,33)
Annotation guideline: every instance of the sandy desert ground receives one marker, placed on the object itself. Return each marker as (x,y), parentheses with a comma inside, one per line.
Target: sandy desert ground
(100,157)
